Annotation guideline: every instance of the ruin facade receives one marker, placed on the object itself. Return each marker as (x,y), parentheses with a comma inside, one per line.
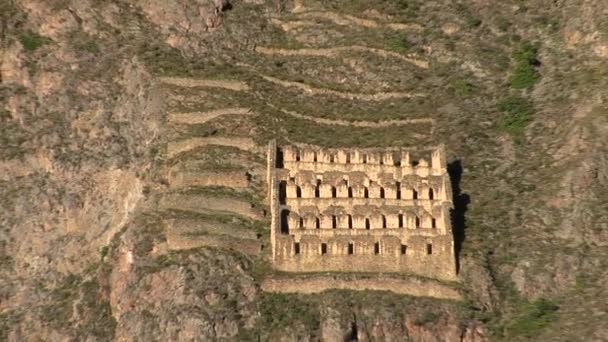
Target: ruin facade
(360,210)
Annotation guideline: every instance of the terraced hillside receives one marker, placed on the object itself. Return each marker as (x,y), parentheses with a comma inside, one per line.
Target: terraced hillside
(133,163)
(213,181)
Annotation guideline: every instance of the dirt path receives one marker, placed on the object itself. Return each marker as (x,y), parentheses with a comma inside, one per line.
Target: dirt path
(404,27)
(193,82)
(341,20)
(195,118)
(176,147)
(333,52)
(370,124)
(291,25)
(345,95)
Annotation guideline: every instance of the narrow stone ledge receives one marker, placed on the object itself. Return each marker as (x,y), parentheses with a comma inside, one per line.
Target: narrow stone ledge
(308,284)
(181,242)
(229,179)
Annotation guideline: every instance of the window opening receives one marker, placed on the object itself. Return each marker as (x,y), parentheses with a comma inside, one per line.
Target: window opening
(377,248)
(298,192)
(400,220)
(431,194)
(403,249)
(317,223)
(296,248)
(381,192)
(323,248)
(351,248)
(285,222)
(398,190)
(282,192)
(367,224)
(350,222)
(334,222)
(383,222)
(429,249)
(301,222)
(433,223)
(417,222)
(414,194)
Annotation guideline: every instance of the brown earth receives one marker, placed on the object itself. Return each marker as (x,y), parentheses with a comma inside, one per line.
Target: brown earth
(86,88)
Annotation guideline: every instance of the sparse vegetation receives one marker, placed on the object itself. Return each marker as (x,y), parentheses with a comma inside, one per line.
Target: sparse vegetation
(281,310)
(470,19)
(150,230)
(582,281)
(60,311)
(517,114)
(525,73)
(96,310)
(32,41)
(399,44)
(104,252)
(13,138)
(428,317)
(488,65)
(463,88)
(534,317)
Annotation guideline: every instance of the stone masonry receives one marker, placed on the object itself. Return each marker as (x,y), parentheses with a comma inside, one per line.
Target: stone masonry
(360,210)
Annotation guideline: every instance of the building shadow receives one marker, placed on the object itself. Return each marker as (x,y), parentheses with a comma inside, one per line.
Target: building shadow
(461,203)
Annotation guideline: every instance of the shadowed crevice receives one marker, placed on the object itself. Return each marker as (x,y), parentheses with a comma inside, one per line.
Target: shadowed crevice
(461,202)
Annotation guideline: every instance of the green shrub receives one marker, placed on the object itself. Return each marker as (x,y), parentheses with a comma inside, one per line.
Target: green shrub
(471,20)
(104,252)
(463,88)
(582,281)
(280,310)
(426,318)
(517,114)
(32,41)
(503,24)
(398,44)
(89,46)
(524,73)
(534,317)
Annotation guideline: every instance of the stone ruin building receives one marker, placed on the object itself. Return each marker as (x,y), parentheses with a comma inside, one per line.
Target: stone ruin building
(360,210)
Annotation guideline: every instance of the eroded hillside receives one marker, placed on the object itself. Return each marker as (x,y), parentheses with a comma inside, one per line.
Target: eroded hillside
(134,130)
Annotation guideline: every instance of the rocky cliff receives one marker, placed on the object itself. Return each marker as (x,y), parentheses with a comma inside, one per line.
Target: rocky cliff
(107,107)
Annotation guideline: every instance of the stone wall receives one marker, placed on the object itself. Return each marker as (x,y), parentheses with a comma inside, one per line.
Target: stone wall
(320,283)
(273,195)
(354,210)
